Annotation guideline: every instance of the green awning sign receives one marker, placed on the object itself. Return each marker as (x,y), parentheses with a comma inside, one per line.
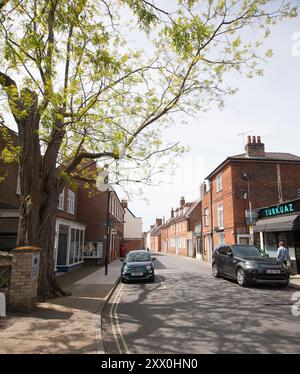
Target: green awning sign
(278,210)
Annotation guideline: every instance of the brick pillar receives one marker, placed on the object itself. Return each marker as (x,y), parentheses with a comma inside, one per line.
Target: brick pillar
(24,278)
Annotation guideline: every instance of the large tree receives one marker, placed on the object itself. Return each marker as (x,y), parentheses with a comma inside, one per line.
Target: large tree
(78,89)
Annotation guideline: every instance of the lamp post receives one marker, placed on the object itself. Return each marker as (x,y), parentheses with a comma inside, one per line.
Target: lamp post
(247,178)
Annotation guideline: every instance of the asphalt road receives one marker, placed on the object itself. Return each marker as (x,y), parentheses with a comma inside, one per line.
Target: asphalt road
(188,311)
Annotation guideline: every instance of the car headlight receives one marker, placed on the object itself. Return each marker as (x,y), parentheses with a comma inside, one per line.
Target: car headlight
(250,265)
(149,267)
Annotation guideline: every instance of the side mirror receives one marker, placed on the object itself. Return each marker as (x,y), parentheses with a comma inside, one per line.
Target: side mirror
(230,254)
(153,258)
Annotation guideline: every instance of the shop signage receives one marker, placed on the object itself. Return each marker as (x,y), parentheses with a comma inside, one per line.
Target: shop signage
(35,267)
(281,209)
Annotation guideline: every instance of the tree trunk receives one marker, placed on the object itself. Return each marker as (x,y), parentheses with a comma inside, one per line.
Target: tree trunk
(40,189)
(29,176)
(48,286)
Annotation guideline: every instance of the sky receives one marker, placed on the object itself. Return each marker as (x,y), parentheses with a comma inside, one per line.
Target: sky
(268,106)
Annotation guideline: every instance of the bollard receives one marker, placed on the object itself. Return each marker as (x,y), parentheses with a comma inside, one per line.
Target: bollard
(2,305)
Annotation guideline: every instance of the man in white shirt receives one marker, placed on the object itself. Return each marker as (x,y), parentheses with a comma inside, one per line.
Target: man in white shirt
(283,253)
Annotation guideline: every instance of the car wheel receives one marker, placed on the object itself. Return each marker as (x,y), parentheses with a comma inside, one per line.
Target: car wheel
(152,279)
(241,277)
(123,280)
(215,271)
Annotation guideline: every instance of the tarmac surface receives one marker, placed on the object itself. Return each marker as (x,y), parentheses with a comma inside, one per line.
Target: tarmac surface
(67,324)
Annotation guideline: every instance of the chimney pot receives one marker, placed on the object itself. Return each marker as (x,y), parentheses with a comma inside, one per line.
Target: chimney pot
(258,140)
(182,202)
(249,139)
(253,139)
(172,213)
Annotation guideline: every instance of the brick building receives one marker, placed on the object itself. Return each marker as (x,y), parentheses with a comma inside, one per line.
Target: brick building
(241,185)
(97,209)
(178,233)
(155,236)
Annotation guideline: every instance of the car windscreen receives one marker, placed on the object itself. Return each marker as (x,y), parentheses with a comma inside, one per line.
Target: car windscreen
(246,251)
(139,256)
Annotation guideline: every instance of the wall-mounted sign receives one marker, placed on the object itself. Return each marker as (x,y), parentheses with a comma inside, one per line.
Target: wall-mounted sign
(35,266)
(281,209)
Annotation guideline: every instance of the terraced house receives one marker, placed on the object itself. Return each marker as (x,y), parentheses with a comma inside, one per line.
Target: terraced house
(178,233)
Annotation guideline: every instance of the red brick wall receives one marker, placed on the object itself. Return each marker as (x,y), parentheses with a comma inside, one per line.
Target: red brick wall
(133,244)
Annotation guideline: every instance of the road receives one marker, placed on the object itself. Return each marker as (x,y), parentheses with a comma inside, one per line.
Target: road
(188,311)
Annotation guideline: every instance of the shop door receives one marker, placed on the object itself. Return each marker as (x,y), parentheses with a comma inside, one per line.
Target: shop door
(62,249)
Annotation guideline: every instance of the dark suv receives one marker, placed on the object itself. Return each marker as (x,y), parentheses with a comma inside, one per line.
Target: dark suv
(248,265)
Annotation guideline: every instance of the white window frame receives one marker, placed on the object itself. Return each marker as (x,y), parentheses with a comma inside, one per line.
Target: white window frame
(206,217)
(220,216)
(219,182)
(71,202)
(61,200)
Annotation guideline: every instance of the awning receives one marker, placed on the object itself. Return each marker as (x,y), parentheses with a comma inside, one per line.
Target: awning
(282,223)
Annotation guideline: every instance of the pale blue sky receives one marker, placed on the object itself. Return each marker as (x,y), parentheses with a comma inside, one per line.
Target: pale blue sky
(268,106)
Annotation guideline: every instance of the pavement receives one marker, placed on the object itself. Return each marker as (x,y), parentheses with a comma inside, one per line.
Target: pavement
(68,324)
(295,281)
(65,324)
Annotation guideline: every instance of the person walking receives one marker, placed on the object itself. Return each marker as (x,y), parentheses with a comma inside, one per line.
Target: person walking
(283,253)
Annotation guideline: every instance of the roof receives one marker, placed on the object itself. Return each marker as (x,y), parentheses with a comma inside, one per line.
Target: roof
(269,156)
(279,156)
(184,213)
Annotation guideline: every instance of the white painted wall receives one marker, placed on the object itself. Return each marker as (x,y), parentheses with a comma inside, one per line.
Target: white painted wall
(133,226)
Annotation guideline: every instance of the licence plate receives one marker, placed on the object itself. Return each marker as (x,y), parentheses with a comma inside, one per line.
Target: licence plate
(273,271)
(137,274)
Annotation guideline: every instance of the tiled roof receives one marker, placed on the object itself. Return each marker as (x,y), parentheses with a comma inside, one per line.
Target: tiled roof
(272,156)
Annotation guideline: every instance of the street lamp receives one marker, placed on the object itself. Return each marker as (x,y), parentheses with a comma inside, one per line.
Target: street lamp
(246,177)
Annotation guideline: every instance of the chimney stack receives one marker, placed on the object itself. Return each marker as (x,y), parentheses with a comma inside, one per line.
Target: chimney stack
(182,202)
(158,221)
(255,148)
(172,213)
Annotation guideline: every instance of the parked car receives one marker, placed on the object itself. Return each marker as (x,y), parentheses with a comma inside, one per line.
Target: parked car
(138,265)
(248,265)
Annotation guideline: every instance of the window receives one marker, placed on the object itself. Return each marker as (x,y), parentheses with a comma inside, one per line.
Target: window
(71,202)
(220,216)
(206,217)
(219,182)
(61,200)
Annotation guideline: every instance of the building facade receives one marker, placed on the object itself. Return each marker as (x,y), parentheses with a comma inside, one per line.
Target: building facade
(239,187)
(178,233)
